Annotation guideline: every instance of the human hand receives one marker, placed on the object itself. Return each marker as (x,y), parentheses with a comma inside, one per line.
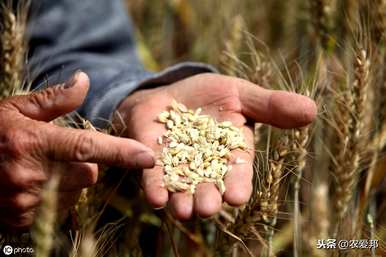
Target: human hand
(31,149)
(226,99)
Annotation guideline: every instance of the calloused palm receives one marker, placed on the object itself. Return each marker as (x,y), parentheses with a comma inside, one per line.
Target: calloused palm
(225,98)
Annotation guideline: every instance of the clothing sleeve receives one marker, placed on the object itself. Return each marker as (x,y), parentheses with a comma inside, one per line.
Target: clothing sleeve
(94,36)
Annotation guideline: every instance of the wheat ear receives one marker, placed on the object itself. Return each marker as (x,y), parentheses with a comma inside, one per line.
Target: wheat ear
(263,208)
(300,140)
(13,49)
(347,175)
(44,226)
(270,194)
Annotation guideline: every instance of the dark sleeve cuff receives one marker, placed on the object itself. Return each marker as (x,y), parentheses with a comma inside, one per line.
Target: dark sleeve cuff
(101,113)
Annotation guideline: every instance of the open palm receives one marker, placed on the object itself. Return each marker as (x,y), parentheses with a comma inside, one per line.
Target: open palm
(226,99)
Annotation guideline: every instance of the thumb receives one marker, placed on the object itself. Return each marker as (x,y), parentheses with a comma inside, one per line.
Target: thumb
(54,101)
(278,108)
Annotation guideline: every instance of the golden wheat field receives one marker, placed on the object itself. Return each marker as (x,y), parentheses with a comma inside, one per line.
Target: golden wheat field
(319,191)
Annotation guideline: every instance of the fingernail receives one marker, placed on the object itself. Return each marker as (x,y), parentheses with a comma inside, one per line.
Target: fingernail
(159,208)
(145,160)
(72,81)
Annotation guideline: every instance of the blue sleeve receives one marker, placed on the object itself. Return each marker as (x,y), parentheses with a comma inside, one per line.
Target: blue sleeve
(96,37)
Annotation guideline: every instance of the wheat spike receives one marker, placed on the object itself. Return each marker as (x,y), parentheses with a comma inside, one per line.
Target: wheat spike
(349,160)
(270,195)
(263,208)
(379,68)
(13,49)
(44,227)
(300,140)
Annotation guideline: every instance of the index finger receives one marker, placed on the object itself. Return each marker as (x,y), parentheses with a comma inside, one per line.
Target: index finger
(68,144)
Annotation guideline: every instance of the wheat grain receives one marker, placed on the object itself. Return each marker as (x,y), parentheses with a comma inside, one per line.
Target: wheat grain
(197,148)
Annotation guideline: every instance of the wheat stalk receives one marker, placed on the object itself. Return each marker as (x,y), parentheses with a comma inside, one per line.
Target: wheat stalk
(321,221)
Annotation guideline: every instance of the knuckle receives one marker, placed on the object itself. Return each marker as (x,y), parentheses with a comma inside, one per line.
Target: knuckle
(44,99)
(229,102)
(17,179)
(225,97)
(16,148)
(23,180)
(20,202)
(11,142)
(4,147)
(119,158)
(17,142)
(84,147)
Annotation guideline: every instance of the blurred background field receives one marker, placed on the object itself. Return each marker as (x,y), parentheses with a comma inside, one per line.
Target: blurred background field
(325,181)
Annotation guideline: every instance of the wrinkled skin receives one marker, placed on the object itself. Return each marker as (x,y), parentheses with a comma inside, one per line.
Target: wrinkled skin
(225,98)
(31,148)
